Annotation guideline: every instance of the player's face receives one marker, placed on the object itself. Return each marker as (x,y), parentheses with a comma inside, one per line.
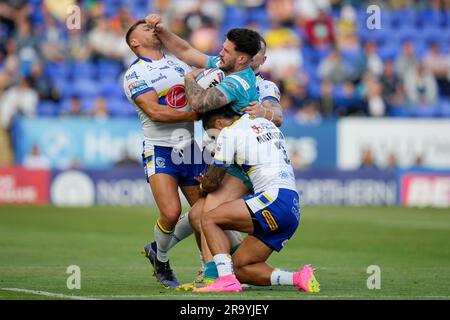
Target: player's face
(228,57)
(146,37)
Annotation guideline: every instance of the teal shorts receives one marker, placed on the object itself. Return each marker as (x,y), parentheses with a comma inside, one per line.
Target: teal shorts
(237,172)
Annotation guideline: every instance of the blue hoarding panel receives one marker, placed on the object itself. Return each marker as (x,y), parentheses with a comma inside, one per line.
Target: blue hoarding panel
(313,145)
(75,142)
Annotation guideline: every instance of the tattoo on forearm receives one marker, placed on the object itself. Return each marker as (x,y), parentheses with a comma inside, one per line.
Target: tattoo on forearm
(202,100)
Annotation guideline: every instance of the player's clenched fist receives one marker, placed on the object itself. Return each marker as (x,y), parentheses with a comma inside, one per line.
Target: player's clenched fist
(154,21)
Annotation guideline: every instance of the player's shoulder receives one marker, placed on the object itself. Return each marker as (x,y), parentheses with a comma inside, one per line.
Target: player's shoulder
(135,70)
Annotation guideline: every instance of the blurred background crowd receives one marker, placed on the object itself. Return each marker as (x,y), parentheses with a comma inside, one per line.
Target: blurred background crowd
(322,54)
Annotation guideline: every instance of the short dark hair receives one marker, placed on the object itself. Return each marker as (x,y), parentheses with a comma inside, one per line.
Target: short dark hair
(128,35)
(264,43)
(209,117)
(245,40)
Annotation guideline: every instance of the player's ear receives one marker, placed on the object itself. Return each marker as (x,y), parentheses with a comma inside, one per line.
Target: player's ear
(134,43)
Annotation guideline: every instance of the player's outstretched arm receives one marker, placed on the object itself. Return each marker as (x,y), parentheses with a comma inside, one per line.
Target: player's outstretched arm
(202,100)
(176,45)
(148,102)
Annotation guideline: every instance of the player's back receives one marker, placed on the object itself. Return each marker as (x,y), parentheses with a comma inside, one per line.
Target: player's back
(166,78)
(260,149)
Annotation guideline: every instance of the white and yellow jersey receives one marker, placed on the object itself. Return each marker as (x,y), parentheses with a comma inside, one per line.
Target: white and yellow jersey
(166,78)
(258,146)
(267,90)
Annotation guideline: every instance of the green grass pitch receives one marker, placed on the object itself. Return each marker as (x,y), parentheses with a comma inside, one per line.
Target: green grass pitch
(37,244)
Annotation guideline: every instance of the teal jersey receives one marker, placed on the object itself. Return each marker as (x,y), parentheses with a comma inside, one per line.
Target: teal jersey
(239,88)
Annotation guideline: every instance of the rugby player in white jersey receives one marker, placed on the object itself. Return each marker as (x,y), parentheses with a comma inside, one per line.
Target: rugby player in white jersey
(270,216)
(154,84)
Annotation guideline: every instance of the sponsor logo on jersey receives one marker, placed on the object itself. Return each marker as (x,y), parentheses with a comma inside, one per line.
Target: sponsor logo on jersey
(137,86)
(176,97)
(132,75)
(164,68)
(269,136)
(257,128)
(171,63)
(150,68)
(180,70)
(161,77)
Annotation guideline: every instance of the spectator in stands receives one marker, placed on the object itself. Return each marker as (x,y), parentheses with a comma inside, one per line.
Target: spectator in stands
(75,107)
(42,84)
(392,161)
(346,31)
(407,60)
(367,159)
(35,160)
(439,66)
(19,99)
(309,113)
(100,108)
(421,87)
(333,68)
(319,32)
(283,53)
(370,61)
(326,99)
(376,106)
(281,11)
(393,90)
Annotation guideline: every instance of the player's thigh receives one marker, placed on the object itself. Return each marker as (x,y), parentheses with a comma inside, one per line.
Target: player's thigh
(231,189)
(251,251)
(192,193)
(232,215)
(165,191)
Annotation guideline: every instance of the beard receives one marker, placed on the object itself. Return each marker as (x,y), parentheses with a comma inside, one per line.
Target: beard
(226,67)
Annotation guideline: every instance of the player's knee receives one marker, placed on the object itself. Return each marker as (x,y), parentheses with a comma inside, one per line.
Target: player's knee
(170,216)
(195,219)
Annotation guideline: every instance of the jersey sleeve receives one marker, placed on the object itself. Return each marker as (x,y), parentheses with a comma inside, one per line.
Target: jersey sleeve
(233,87)
(269,91)
(225,148)
(212,62)
(135,83)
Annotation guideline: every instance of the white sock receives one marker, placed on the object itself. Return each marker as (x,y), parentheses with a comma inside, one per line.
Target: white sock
(182,230)
(224,264)
(281,278)
(162,239)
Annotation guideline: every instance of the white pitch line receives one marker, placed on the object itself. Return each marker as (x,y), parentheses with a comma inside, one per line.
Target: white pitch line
(49,294)
(300,297)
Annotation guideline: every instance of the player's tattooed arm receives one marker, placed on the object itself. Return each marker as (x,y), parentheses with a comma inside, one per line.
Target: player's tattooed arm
(213,179)
(202,100)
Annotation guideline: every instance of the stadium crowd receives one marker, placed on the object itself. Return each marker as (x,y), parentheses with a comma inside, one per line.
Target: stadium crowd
(321,54)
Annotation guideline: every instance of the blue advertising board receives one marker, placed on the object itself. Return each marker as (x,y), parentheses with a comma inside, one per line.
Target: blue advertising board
(311,145)
(78,142)
(365,187)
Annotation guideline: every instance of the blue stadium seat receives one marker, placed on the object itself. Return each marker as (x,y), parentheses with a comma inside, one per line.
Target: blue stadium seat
(47,109)
(425,111)
(444,107)
(398,111)
(85,87)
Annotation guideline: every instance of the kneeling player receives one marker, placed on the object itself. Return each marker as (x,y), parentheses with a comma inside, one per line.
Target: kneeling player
(270,216)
